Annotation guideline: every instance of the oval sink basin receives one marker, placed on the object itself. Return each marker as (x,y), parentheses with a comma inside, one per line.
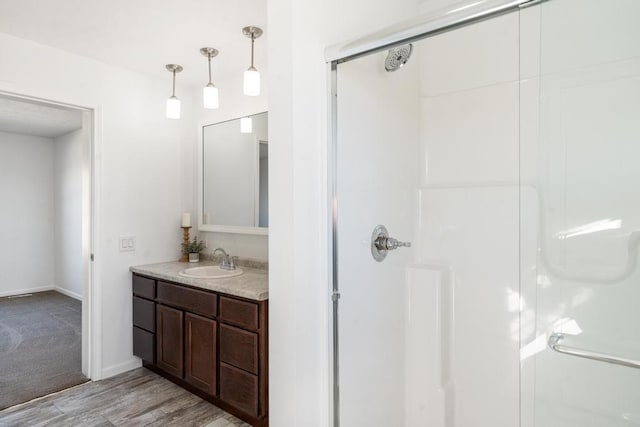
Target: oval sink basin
(209,272)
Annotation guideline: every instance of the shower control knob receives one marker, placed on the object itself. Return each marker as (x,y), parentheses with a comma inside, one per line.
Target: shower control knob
(381,243)
(389,243)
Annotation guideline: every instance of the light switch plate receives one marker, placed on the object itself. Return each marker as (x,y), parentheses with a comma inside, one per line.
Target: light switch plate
(127,243)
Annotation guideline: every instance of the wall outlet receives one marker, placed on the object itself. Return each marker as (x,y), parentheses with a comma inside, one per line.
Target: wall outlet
(206,243)
(127,243)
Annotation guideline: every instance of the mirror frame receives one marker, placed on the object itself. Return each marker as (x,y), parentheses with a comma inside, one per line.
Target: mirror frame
(235,229)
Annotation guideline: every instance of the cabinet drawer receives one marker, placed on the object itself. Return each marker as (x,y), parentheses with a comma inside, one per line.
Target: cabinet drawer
(144,345)
(192,300)
(144,314)
(239,348)
(239,389)
(144,287)
(240,313)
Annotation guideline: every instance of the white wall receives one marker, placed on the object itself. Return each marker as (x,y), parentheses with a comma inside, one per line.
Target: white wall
(141,161)
(26,213)
(43,189)
(233,104)
(68,193)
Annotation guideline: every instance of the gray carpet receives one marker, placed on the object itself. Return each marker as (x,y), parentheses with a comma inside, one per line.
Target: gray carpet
(40,346)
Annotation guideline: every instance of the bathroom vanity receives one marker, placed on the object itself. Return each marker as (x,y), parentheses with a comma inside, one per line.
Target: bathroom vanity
(209,336)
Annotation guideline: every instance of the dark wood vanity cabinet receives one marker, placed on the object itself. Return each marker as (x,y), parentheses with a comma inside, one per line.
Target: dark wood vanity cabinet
(212,344)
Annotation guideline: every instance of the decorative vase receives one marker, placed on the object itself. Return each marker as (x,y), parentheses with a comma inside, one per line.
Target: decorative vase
(194,257)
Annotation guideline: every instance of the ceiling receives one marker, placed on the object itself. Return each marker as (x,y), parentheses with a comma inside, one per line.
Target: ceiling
(144,35)
(33,118)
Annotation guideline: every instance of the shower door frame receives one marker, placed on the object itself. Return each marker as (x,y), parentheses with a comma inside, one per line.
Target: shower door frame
(411,31)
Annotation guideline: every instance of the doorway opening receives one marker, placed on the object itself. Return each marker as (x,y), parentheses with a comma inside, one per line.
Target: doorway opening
(46,246)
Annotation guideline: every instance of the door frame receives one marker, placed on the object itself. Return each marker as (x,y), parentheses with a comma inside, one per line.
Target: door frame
(91,342)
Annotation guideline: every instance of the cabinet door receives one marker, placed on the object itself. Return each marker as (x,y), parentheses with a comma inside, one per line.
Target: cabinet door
(200,369)
(170,340)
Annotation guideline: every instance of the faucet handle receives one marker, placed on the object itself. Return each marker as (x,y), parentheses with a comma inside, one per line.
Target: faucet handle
(225,261)
(232,262)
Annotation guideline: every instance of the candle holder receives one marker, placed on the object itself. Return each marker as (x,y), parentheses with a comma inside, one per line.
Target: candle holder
(185,241)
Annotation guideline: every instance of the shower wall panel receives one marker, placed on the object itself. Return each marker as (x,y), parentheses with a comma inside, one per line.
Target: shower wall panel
(468,213)
(376,174)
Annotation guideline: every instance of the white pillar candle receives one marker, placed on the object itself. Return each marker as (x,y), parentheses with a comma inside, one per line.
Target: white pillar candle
(186,220)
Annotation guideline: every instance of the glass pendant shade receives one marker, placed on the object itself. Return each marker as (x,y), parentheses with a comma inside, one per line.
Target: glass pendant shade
(173,103)
(173,108)
(252,76)
(246,125)
(210,96)
(252,82)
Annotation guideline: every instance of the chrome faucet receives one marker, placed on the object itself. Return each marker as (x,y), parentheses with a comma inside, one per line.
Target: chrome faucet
(228,262)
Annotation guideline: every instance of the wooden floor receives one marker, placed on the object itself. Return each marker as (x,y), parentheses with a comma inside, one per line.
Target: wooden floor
(135,398)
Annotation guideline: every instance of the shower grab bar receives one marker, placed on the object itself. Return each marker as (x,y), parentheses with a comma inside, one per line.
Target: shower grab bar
(554,344)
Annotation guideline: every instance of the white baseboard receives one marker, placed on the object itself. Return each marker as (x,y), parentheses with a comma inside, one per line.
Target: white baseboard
(69,293)
(41,289)
(110,371)
(26,291)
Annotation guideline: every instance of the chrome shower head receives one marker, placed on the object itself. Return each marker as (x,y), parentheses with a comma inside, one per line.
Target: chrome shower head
(397,57)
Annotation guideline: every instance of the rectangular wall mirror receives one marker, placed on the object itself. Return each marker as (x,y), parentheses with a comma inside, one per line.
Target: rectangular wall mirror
(234,170)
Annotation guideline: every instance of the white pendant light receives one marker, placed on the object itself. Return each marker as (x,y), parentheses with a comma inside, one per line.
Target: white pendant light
(173,103)
(210,91)
(252,76)
(252,82)
(173,108)
(246,125)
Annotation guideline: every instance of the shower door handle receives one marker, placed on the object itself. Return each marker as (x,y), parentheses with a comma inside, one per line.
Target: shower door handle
(381,243)
(554,344)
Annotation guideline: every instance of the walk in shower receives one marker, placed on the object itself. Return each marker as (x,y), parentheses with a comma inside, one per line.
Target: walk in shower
(486,218)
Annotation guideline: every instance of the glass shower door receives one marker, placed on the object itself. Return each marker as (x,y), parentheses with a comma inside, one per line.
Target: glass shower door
(430,336)
(580,214)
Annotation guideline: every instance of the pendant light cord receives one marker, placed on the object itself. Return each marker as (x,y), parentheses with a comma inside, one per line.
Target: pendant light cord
(253,39)
(209,57)
(174,83)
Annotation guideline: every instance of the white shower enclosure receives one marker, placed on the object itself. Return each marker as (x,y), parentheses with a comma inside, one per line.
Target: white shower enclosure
(506,151)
